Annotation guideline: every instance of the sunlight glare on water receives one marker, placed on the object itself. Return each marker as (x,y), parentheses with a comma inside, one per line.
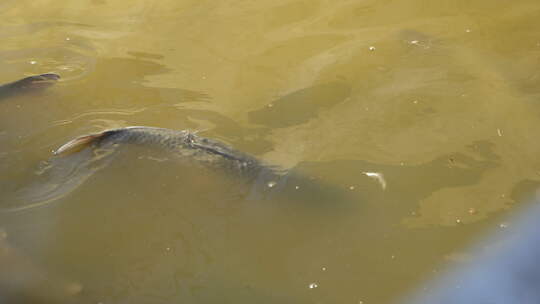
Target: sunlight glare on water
(397,118)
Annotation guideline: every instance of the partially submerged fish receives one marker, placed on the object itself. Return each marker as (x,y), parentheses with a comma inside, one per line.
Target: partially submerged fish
(182,143)
(30,83)
(80,158)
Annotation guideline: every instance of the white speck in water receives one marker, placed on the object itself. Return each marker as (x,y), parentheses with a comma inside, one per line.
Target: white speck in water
(499,132)
(68,39)
(33,62)
(503,225)
(458,221)
(271,184)
(402,164)
(297,187)
(270,105)
(168,248)
(313,285)
(415,101)
(351,188)
(414,41)
(377,176)
(393,257)
(360,302)
(324,269)
(467,31)
(372,48)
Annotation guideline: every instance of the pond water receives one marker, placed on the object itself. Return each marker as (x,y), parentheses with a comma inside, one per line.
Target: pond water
(411,126)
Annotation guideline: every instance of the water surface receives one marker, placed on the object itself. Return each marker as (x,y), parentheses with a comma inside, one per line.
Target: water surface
(441,99)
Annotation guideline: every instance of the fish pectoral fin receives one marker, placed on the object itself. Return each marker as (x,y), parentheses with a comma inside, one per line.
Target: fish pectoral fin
(77,144)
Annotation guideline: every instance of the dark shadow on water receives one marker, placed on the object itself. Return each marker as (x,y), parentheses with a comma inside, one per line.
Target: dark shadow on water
(300,106)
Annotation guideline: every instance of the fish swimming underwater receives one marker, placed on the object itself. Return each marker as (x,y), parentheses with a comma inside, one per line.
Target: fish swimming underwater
(77,160)
(185,144)
(28,84)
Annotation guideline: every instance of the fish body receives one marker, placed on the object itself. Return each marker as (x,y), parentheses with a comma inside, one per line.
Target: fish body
(185,144)
(30,83)
(80,158)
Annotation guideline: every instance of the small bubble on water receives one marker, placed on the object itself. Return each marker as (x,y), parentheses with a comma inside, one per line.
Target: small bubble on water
(467,31)
(503,225)
(351,188)
(323,269)
(372,48)
(313,285)
(414,41)
(297,187)
(33,62)
(458,221)
(271,184)
(68,39)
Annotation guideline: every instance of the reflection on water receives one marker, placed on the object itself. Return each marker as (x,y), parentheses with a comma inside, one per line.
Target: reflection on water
(442,99)
(505,270)
(55,179)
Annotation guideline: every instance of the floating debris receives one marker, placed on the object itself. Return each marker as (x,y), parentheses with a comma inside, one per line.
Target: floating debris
(313,285)
(377,176)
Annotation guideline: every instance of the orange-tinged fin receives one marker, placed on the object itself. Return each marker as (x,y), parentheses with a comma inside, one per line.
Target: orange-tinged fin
(79,143)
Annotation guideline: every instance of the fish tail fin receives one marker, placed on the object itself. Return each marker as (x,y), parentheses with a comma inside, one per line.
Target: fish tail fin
(79,143)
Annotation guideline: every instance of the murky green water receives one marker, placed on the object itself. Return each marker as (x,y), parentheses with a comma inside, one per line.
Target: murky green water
(441,99)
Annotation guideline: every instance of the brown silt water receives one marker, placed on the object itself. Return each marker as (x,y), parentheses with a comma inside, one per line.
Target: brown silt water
(398,132)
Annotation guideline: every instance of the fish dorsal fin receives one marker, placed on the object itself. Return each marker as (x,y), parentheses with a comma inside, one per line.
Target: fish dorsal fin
(78,143)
